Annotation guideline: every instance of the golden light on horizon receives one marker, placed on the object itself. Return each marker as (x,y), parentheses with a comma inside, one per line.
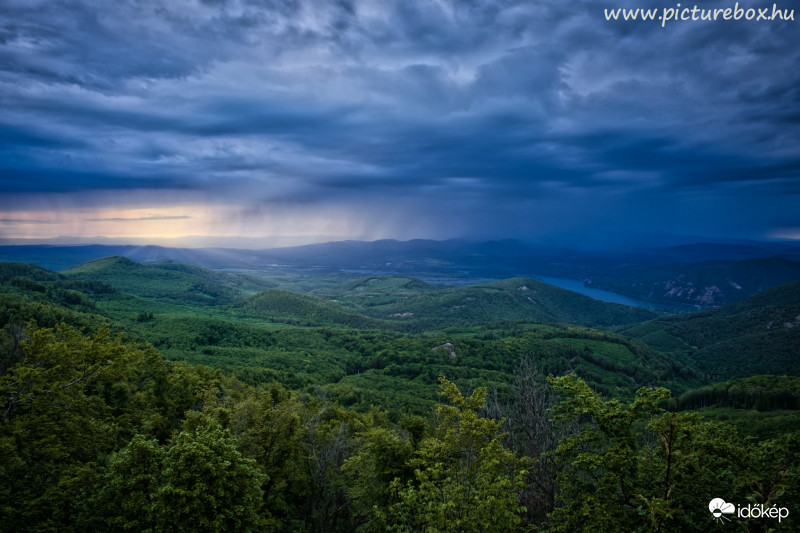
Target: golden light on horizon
(164,222)
(184,222)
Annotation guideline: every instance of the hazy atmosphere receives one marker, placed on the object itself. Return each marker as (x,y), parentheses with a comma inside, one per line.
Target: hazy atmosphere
(256,123)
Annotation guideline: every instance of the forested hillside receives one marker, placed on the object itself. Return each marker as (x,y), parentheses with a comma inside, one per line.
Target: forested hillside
(167,281)
(759,335)
(169,397)
(304,341)
(422,307)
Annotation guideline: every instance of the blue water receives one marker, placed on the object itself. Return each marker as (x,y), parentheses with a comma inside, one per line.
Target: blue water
(598,294)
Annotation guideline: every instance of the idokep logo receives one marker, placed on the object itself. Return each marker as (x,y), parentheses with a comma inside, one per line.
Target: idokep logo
(719,508)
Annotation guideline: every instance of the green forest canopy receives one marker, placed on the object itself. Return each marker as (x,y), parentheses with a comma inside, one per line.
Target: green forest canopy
(270,425)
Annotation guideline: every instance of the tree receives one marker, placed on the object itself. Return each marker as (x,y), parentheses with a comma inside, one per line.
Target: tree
(600,480)
(50,423)
(130,486)
(330,443)
(634,464)
(267,424)
(383,455)
(11,338)
(207,485)
(201,483)
(532,432)
(464,479)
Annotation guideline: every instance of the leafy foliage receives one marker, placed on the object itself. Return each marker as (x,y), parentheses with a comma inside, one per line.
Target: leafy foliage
(464,479)
(636,465)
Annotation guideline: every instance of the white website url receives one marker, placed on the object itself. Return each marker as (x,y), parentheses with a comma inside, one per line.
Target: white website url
(696,13)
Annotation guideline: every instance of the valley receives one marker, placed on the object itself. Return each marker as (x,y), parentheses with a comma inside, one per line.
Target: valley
(369,339)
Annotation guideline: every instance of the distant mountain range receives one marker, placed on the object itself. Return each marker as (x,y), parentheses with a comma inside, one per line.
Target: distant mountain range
(703,275)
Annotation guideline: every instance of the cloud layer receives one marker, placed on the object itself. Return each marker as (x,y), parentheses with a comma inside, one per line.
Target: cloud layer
(407,118)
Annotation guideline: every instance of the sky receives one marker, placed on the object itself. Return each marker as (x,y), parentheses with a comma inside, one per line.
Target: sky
(257,123)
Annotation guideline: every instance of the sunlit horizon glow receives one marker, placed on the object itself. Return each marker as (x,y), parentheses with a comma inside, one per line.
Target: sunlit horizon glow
(185,225)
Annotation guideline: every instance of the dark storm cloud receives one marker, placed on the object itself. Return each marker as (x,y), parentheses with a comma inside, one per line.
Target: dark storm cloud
(500,107)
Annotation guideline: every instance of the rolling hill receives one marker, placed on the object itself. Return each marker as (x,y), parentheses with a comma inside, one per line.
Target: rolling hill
(402,303)
(166,281)
(9,271)
(306,341)
(409,304)
(758,335)
(419,306)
